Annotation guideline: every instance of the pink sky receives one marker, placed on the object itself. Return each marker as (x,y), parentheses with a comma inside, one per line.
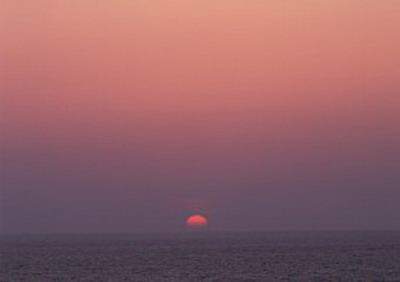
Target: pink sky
(129,115)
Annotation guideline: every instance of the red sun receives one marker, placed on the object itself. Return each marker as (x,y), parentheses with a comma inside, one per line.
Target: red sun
(196,221)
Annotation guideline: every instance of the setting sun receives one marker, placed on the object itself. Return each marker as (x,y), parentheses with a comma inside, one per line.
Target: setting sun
(196,221)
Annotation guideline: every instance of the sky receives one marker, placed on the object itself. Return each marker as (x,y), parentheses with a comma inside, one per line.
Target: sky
(129,116)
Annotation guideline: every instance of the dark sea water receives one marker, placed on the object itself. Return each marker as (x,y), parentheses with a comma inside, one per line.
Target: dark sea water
(275,256)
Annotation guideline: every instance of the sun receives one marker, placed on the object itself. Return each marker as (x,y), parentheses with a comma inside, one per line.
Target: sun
(196,221)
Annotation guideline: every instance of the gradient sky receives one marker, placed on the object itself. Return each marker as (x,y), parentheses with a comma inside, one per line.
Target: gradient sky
(128,116)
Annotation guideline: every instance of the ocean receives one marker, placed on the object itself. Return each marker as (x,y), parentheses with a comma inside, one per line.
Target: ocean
(205,256)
